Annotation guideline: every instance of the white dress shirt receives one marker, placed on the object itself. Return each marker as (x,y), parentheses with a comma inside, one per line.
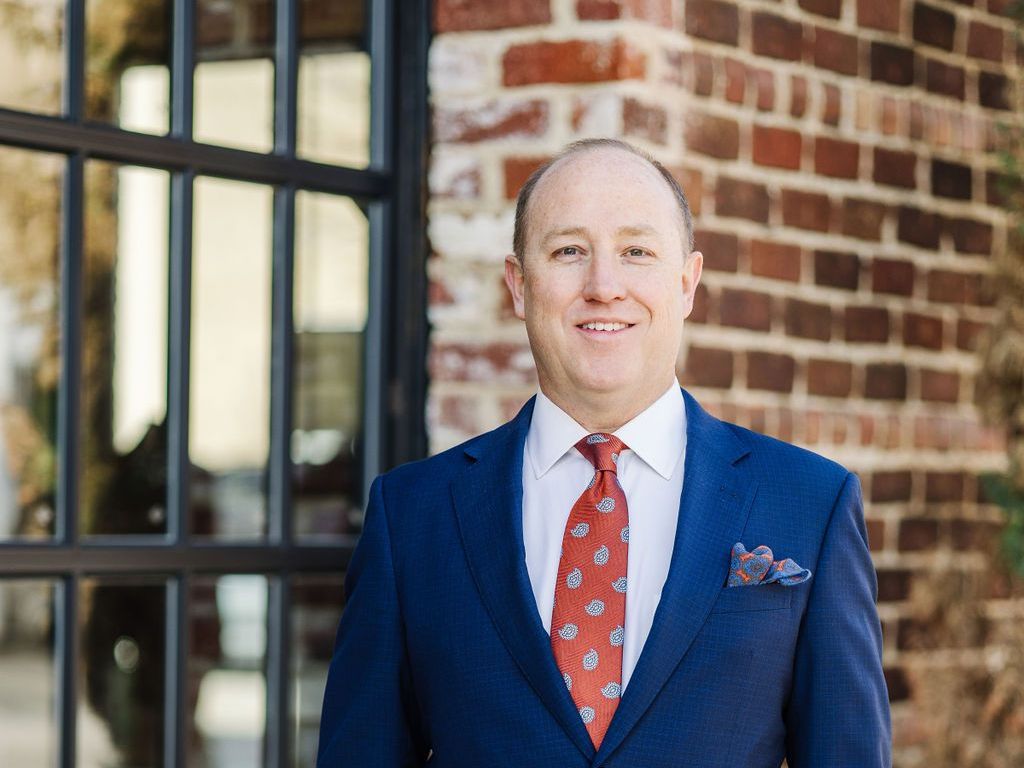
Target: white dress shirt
(651,474)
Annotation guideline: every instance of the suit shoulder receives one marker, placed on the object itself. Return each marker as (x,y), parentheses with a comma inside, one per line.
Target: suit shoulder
(778,461)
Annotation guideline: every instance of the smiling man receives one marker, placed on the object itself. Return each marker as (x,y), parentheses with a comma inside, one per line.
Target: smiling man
(615,577)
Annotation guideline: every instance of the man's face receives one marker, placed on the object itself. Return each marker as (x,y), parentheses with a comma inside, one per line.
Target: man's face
(606,281)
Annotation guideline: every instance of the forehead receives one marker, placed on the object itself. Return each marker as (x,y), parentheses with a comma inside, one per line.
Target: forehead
(602,186)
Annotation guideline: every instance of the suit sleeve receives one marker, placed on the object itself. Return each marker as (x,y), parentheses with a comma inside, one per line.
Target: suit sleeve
(367,718)
(838,712)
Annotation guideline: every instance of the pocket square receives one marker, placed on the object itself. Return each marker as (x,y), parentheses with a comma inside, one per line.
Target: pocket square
(758,567)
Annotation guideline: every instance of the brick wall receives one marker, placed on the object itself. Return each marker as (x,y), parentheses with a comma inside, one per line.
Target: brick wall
(837,157)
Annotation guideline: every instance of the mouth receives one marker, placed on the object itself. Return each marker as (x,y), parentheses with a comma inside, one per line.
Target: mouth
(604,327)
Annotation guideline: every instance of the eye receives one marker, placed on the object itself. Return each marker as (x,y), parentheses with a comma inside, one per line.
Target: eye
(637,253)
(569,251)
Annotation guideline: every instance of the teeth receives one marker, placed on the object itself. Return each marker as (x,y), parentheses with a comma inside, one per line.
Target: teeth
(604,326)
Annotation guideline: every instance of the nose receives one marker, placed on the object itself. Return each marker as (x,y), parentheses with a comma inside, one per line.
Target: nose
(604,279)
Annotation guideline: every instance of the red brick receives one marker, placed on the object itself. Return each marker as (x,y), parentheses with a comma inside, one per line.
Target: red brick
(893,64)
(892,276)
(866,324)
(489,363)
(934,26)
(836,51)
(703,74)
(775,260)
(829,378)
(836,158)
(713,20)
(922,330)
(494,120)
(836,270)
(945,79)
(993,90)
(879,14)
(885,381)
(458,15)
(598,10)
(797,96)
(919,227)
(745,309)
(741,199)
(895,169)
(974,534)
(701,301)
(940,386)
(646,121)
(735,81)
(951,180)
(720,249)
(691,180)
(947,287)
(571,61)
(829,8)
(718,137)
(770,371)
(968,333)
(806,210)
(985,41)
(777,147)
(863,219)
(890,486)
(897,684)
(807,320)
(970,236)
(707,367)
(776,37)
(944,486)
(893,585)
(517,171)
(831,110)
(764,88)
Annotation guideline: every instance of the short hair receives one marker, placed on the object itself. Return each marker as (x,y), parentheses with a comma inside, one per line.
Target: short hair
(586,145)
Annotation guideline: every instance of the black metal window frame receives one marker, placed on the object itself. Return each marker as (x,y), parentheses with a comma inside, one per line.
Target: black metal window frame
(395,337)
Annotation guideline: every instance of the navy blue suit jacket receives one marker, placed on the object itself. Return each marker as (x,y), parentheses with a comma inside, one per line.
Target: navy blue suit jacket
(441,656)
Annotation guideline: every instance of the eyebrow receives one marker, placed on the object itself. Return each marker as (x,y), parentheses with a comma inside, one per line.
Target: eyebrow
(635,230)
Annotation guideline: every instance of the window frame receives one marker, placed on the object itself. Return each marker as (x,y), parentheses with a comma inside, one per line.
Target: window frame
(394,372)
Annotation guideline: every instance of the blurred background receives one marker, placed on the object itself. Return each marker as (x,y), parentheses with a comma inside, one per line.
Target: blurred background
(250,257)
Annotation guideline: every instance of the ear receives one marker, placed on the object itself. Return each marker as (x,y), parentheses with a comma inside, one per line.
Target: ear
(691,277)
(515,280)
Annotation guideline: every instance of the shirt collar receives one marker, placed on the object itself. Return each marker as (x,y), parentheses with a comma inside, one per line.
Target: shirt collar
(657,434)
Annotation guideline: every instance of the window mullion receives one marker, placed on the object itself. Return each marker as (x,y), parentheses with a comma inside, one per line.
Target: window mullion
(286,66)
(74,60)
(182,58)
(282,357)
(65,645)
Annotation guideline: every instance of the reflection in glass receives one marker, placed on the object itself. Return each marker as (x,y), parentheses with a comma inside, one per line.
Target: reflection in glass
(234,74)
(226,670)
(330,308)
(121,691)
(124,351)
(28,682)
(31,58)
(316,607)
(127,49)
(334,83)
(30,198)
(229,396)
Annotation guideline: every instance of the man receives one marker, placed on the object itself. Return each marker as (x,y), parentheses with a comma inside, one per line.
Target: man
(591,584)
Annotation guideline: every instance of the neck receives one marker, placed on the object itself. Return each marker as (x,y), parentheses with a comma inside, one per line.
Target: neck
(605,412)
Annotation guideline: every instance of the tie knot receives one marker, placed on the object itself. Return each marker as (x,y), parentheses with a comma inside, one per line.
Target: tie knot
(601,449)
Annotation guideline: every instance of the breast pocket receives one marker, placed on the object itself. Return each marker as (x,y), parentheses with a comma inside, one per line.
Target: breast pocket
(767,597)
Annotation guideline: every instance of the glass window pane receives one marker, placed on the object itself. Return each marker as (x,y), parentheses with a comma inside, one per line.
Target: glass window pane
(316,607)
(127,68)
(31,56)
(330,310)
(334,82)
(123,403)
(234,74)
(227,670)
(121,689)
(229,410)
(29,340)
(28,678)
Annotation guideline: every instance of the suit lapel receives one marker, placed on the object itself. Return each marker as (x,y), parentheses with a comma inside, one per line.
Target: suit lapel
(715,501)
(488,499)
